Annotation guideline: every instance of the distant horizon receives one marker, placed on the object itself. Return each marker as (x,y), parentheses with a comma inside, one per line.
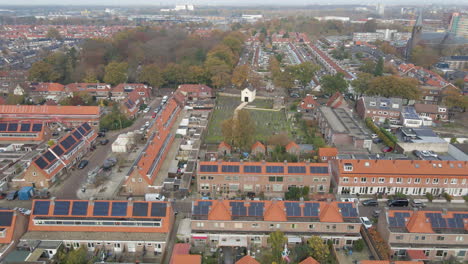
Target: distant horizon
(129,3)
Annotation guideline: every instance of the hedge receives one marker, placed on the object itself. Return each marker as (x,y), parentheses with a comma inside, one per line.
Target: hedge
(387,138)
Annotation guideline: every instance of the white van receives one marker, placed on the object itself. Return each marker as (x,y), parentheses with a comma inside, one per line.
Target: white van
(151,197)
(164,99)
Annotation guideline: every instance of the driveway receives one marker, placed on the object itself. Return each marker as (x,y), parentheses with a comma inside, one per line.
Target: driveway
(69,184)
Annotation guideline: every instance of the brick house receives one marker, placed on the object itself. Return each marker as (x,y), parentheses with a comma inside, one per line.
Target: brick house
(337,100)
(410,177)
(195,91)
(115,226)
(131,104)
(50,165)
(272,179)
(224,149)
(326,154)
(435,112)
(379,108)
(293,149)
(258,149)
(24,131)
(429,235)
(98,90)
(218,223)
(308,104)
(12,226)
(121,91)
(53,91)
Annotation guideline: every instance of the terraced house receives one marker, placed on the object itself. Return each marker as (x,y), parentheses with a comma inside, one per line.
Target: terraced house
(220,223)
(12,226)
(50,165)
(272,179)
(115,226)
(411,177)
(24,131)
(427,234)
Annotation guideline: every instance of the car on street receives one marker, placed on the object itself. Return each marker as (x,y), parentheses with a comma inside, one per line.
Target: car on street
(55,134)
(371,202)
(146,110)
(104,142)
(374,136)
(154,115)
(101,134)
(417,204)
(2,196)
(104,130)
(12,195)
(377,140)
(387,149)
(366,222)
(164,99)
(83,164)
(398,203)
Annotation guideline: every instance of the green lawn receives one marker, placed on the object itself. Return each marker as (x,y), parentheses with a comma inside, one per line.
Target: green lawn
(268,122)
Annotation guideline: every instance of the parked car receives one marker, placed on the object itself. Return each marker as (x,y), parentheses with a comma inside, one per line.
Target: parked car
(55,134)
(2,196)
(164,99)
(154,115)
(366,222)
(374,136)
(371,202)
(104,130)
(83,164)
(101,134)
(398,203)
(377,140)
(12,195)
(432,153)
(417,204)
(387,149)
(104,142)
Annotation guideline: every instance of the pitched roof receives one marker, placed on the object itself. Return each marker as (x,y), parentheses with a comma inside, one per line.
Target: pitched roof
(279,167)
(219,211)
(194,88)
(309,260)
(327,152)
(308,100)
(49,109)
(247,260)
(275,212)
(417,255)
(336,100)
(48,87)
(291,145)
(427,108)
(419,223)
(225,145)
(258,144)
(329,212)
(186,259)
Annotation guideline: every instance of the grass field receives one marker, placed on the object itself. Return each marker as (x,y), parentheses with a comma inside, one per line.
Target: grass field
(268,122)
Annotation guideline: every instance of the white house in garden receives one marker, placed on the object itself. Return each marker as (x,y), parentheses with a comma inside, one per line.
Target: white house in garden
(248,94)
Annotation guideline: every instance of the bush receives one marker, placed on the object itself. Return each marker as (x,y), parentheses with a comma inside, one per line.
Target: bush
(380,244)
(466,198)
(429,196)
(358,245)
(399,195)
(447,197)
(386,136)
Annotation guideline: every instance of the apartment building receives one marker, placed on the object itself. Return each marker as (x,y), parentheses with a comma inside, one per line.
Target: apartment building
(425,235)
(379,108)
(67,115)
(411,177)
(56,160)
(237,223)
(12,226)
(24,131)
(116,226)
(272,179)
(142,174)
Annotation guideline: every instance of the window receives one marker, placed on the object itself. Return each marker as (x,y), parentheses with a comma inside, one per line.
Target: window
(200,224)
(383,104)
(381,180)
(345,179)
(461,253)
(237,225)
(355,179)
(293,226)
(399,237)
(417,180)
(272,225)
(350,227)
(363,179)
(453,181)
(348,167)
(210,178)
(416,238)
(255,225)
(445,181)
(423,237)
(311,226)
(459,238)
(441,253)
(373,179)
(140,180)
(391,180)
(440,238)
(372,103)
(203,178)
(428,181)
(398,180)
(272,178)
(279,179)
(435,181)
(34,174)
(409,180)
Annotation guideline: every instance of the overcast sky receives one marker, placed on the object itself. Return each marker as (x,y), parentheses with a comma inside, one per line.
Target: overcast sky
(222,2)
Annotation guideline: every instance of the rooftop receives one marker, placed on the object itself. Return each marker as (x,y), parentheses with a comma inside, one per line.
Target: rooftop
(342,121)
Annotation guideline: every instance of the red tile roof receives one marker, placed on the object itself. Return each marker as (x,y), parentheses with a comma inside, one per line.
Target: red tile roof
(48,87)
(328,152)
(181,255)
(292,145)
(258,144)
(419,223)
(309,100)
(48,110)
(247,260)
(417,255)
(329,212)
(224,145)
(309,260)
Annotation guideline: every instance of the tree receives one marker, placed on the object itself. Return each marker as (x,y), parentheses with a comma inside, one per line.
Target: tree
(368,67)
(379,68)
(13,99)
(424,56)
(277,240)
(318,249)
(50,143)
(90,77)
(334,83)
(240,75)
(304,72)
(361,83)
(394,86)
(40,71)
(239,130)
(115,120)
(116,73)
(460,83)
(53,33)
(74,256)
(454,98)
(358,245)
(151,74)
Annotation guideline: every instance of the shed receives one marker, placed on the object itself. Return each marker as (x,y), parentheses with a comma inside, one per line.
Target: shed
(26,193)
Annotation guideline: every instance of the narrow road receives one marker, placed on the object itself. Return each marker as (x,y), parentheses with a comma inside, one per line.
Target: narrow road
(71,183)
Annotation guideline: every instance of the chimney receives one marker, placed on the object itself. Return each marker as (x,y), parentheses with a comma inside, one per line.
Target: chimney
(444,211)
(52,200)
(301,201)
(263,162)
(130,201)
(91,201)
(285,162)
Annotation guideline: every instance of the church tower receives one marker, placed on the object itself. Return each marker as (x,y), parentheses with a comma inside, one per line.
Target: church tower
(415,36)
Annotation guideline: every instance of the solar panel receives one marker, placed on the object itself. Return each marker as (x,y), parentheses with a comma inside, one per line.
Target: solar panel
(80,208)
(292,209)
(13,127)
(101,208)
(140,209)
(57,150)
(77,134)
(238,208)
(3,126)
(274,169)
(311,209)
(158,209)
(256,209)
(25,127)
(6,218)
(86,126)
(65,144)
(119,209)
(209,168)
(70,140)
(41,207)
(230,168)
(37,127)
(202,208)
(49,156)
(41,162)
(82,130)
(296,169)
(61,207)
(321,170)
(252,169)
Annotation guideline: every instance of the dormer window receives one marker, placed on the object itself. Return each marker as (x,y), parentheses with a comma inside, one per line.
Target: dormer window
(383,104)
(395,106)
(372,104)
(348,167)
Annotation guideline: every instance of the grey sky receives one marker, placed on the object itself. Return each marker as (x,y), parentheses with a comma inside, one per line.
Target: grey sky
(224,2)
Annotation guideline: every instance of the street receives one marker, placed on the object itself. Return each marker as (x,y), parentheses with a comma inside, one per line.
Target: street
(70,184)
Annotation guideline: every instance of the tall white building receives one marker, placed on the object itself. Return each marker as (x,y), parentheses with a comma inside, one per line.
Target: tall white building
(380,9)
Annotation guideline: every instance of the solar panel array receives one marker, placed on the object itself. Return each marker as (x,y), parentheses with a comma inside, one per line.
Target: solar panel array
(230,168)
(37,127)
(101,209)
(347,210)
(12,127)
(77,134)
(6,218)
(41,163)
(274,169)
(256,208)
(41,207)
(80,208)
(140,209)
(436,220)
(311,209)
(292,209)
(158,209)
(209,168)
(62,208)
(25,127)
(322,170)
(410,112)
(202,208)
(238,209)
(49,156)
(86,126)
(296,169)
(119,209)
(399,219)
(252,169)
(57,150)
(3,126)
